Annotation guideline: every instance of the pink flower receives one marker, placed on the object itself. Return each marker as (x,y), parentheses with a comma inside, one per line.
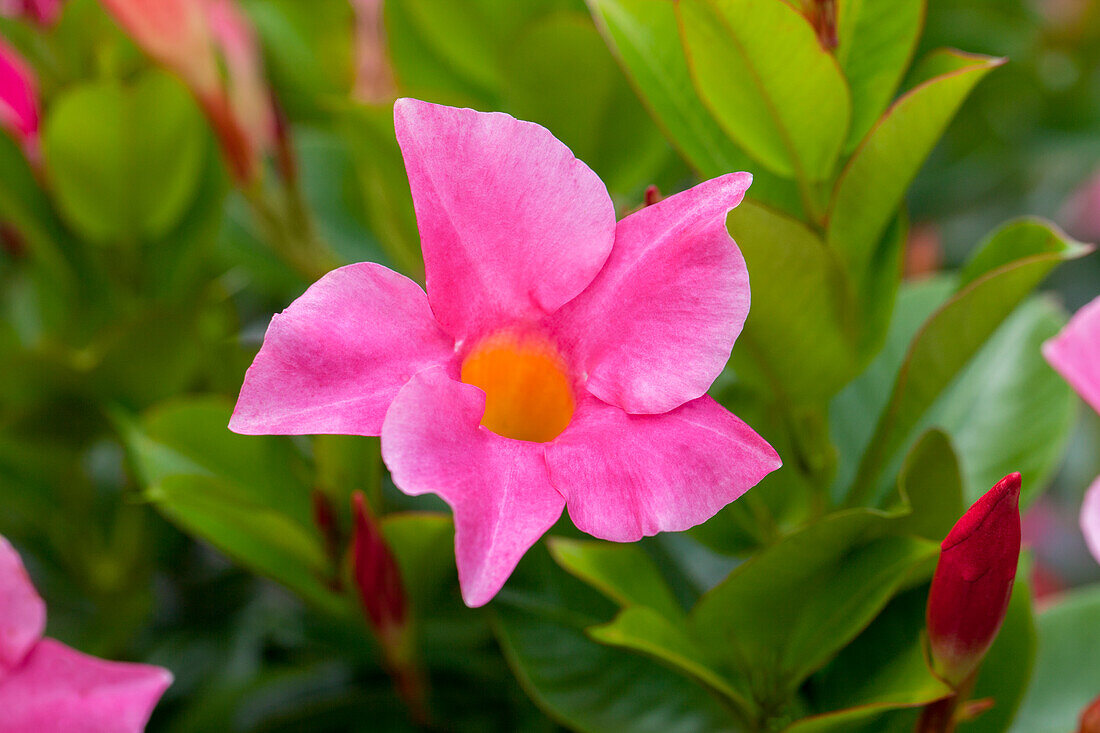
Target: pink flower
(195,39)
(47,687)
(558,358)
(44,12)
(18,100)
(1075,354)
(973,581)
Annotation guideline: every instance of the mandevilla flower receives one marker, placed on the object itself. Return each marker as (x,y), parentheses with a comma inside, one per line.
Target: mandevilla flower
(18,101)
(973,581)
(195,39)
(1075,353)
(377,576)
(45,686)
(558,358)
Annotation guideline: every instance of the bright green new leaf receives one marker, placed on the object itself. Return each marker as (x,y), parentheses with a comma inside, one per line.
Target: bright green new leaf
(801,307)
(124,160)
(622,572)
(875,179)
(951,337)
(1067,677)
(760,68)
(876,39)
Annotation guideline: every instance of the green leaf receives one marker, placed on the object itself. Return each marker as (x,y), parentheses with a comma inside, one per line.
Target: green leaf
(950,338)
(931,484)
(874,181)
(876,39)
(124,160)
(644,630)
(1067,677)
(622,572)
(883,669)
(801,307)
(541,617)
(787,610)
(1006,669)
(259,537)
(645,38)
(423,544)
(760,69)
(558,73)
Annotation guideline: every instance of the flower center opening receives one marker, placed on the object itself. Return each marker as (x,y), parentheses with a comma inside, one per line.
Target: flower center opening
(527,392)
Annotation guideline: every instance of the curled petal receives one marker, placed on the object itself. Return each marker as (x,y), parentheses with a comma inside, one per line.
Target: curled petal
(1075,353)
(657,325)
(511,224)
(499,488)
(1090,519)
(628,476)
(22,612)
(333,360)
(59,689)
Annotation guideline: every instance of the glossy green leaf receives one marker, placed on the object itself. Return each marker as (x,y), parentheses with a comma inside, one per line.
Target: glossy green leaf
(622,572)
(761,70)
(876,39)
(883,669)
(124,160)
(542,614)
(801,307)
(644,630)
(787,610)
(559,73)
(1067,677)
(950,338)
(644,36)
(875,179)
(423,544)
(931,484)
(259,537)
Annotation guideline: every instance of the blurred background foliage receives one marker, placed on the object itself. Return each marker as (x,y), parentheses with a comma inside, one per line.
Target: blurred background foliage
(137,278)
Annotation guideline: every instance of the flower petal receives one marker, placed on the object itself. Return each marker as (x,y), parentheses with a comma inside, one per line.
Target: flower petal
(22,611)
(333,360)
(499,488)
(1075,353)
(59,689)
(18,95)
(511,224)
(1090,519)
(628,476)
(657,325)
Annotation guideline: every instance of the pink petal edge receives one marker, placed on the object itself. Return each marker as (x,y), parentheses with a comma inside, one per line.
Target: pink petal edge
(499,489)
(22,611)
(658,323)
(512,225)
(60,690)
(333,360)
(629,476)
(1090,519)
(1075,353)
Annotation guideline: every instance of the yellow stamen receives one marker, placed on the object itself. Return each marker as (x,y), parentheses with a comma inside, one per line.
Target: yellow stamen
(527,392)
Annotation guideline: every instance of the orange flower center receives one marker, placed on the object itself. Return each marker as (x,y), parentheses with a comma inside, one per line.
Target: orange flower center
(527,392)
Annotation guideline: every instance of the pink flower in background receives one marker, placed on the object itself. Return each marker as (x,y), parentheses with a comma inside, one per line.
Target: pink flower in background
(18,101)
(46,687)
(195,39)
(558,359)
(1075,354)
(44,12)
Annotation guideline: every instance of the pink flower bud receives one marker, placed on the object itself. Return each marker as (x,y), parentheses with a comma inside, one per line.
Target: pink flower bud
(43,12)
(973,581)
(18,101)
(1090,718)
(376,573)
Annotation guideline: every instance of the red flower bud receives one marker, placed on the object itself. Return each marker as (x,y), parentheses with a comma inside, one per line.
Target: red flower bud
(376,573)
(973,581)
(1090,718)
